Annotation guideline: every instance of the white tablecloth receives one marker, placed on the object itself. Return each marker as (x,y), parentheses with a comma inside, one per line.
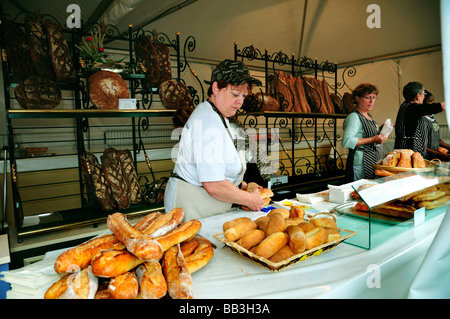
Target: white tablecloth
(346,271)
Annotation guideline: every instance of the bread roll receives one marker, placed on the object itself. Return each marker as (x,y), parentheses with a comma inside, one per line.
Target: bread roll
(261,222)
(361,206)
(405,160)
(152,284)
(275,224)
(283,254)
(297,238)
(324,222)
(283,211)
(316,237)
(234,222)
(251,238)
(235,232)
(306,226)
(270,245)
(391,160)
(124,286)
(332,233)
(417,160)
(296,211)
(293,221)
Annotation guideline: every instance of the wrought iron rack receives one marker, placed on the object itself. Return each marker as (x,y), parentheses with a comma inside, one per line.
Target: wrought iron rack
(309,142)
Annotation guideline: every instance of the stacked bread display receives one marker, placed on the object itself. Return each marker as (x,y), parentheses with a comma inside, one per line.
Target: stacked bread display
(399,160)
(430,198)
(281,234)
(149,260)
(302,94)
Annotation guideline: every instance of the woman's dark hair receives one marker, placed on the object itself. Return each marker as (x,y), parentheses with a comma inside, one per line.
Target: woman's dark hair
(362,90)
(221,84)
(411,90)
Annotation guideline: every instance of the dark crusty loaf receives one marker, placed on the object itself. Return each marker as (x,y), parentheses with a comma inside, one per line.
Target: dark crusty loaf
(59,52)
(37,93)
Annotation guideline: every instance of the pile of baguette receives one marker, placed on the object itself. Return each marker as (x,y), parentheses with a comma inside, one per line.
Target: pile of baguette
(281,234)
(148,260)
(402,158)
(404,207)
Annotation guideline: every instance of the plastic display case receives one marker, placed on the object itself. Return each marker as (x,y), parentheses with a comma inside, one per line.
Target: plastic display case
(395,204)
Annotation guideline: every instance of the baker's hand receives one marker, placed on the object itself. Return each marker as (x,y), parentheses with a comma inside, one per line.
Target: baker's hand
(255,202)
(380,139)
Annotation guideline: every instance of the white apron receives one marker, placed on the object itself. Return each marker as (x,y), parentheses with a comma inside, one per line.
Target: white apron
(195,200)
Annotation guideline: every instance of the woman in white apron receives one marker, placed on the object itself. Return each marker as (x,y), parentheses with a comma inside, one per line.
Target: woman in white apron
(210,159)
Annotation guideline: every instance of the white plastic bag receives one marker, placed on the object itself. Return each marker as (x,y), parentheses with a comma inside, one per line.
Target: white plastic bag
(387,128)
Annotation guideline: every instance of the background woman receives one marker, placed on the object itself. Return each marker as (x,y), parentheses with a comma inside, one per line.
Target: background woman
(361,135)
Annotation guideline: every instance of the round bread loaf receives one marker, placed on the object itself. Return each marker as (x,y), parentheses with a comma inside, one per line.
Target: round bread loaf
(106,88)
(37,93)
(174,94)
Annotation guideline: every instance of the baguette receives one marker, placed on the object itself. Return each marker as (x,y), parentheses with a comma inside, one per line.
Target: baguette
(180,234)
(124,286)
(200,256)
(80,256)
(164,223)
(178,277)
(110,263)
(146,221)
(152,284)
(434,203)
(140,245)
(79,285)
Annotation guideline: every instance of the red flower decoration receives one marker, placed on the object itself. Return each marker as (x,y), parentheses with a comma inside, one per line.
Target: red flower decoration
(101,49)
(88,39)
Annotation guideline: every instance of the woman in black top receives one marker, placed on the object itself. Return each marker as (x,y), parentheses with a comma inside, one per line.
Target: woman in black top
(410,115)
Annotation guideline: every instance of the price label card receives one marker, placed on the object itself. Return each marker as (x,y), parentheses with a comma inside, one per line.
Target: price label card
(127,104)
(419,216)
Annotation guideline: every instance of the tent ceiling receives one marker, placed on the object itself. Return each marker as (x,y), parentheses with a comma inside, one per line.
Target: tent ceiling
(333,30)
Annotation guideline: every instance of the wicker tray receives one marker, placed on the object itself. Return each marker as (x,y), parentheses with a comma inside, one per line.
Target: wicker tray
(287,262)
(429,165)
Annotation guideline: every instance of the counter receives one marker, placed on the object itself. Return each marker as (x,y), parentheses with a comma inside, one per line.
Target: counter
(347,271)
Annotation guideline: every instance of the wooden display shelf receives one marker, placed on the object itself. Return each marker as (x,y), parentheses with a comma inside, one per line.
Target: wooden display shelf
(19,113)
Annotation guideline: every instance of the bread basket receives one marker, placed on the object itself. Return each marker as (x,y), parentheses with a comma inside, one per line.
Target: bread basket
(428,165)
(275,267)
